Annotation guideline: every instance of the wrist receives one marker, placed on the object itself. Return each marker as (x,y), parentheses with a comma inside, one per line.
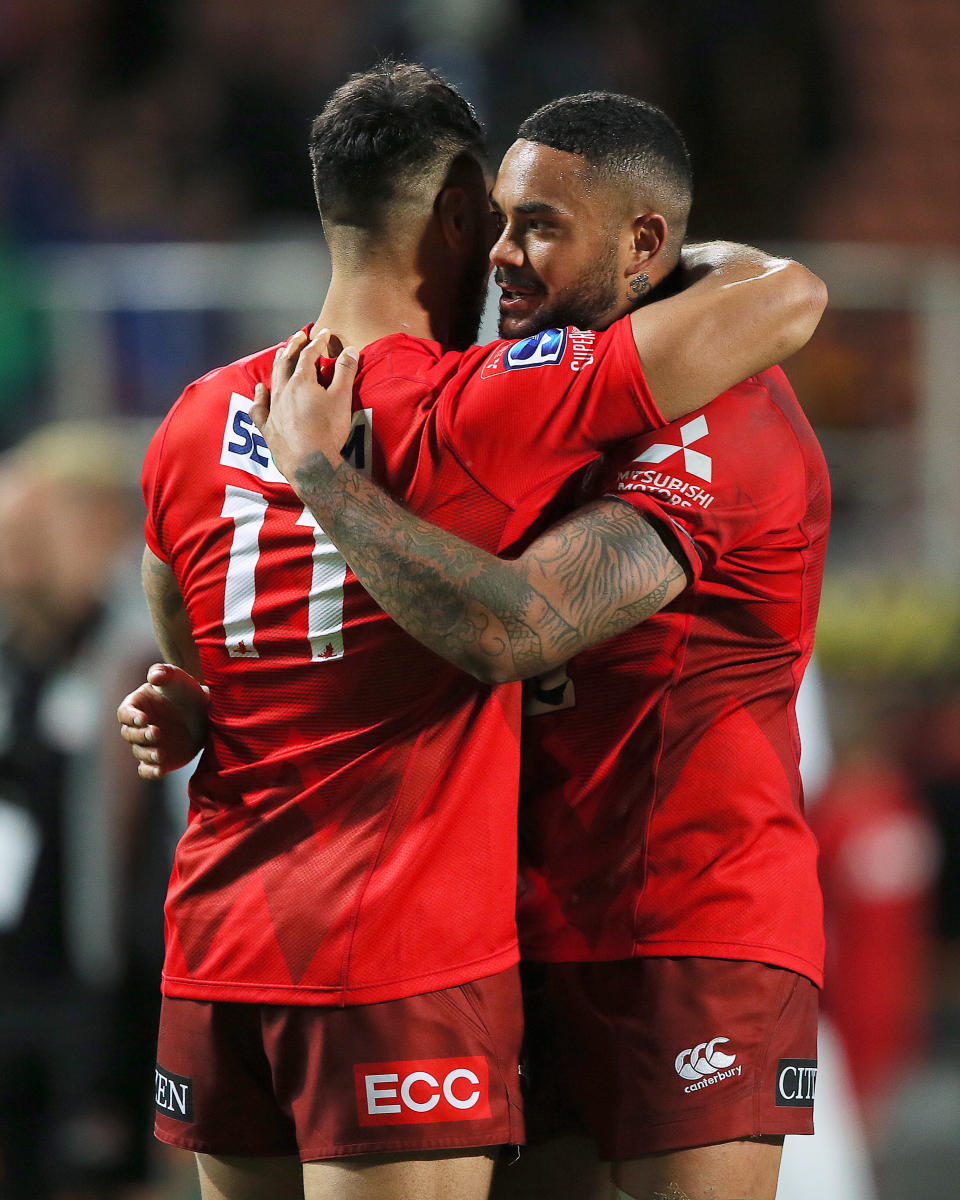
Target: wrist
(319,478)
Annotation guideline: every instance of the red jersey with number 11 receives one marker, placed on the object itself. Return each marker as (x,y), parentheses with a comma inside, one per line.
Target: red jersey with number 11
(352,831)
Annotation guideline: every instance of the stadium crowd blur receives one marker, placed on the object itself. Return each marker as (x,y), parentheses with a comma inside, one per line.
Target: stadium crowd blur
(172,121)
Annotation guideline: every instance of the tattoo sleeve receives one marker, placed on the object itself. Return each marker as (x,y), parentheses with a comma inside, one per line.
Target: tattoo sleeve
(599,572)
(170,622)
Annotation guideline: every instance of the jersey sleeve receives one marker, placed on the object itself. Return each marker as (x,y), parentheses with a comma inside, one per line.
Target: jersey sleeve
(520,414)
(722,477)
(152,487)
(170,462)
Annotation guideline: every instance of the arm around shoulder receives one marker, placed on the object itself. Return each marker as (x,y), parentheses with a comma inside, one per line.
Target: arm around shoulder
(739,312)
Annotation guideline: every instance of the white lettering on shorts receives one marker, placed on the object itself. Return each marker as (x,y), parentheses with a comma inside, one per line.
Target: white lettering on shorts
(418,1091)
(173,1094)
(706,1064)
(796,1082)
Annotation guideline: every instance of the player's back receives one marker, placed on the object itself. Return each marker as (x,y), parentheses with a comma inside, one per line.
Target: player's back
(353,828)
(662,811)
(348,770)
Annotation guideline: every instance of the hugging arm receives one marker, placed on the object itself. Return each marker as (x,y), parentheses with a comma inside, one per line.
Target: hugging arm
(600,571)
(740,311)
(596,573)
(170,622)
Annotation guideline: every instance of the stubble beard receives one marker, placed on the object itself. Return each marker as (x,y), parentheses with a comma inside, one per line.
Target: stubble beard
(471,302)
(592,303)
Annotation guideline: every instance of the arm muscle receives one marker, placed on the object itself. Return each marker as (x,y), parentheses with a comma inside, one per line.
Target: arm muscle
(599,572)
(170,622)
(744,311)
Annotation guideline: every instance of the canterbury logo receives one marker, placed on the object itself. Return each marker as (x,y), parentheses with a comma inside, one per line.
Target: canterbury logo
(696,463)
(704,1059)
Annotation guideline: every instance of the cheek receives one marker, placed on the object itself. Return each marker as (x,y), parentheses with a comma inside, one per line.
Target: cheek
(553,263)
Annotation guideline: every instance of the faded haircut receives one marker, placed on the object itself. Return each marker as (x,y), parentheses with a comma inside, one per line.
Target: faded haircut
(622,138)
(380,134)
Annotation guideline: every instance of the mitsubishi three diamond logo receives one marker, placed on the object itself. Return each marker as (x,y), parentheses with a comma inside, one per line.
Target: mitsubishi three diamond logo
(694,461)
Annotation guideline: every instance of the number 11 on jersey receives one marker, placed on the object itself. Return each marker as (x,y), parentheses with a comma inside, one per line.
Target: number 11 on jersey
(248,509)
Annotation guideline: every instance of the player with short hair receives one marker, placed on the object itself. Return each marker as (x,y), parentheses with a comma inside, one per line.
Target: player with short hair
(339,983)
(669,908)
(630,151)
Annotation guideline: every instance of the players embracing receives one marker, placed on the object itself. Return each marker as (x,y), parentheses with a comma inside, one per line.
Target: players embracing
(353,808)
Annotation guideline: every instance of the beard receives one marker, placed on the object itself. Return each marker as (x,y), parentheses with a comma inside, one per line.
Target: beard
(470,303)
(593,302)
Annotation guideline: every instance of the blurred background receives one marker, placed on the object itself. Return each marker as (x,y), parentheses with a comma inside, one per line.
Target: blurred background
(157,220)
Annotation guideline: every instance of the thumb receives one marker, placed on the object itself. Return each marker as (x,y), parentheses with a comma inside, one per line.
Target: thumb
(178,686)
(260,409)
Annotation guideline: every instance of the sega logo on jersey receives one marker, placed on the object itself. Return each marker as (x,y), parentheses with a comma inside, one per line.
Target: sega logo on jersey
(244,446)
(544,349)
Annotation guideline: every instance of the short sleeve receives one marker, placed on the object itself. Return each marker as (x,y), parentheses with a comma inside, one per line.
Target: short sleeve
(151,485)
(722,477)
(521,414)
(170,465)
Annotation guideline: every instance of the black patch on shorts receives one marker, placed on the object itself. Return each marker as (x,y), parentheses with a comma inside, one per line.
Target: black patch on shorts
(796,1082)
(173,1095)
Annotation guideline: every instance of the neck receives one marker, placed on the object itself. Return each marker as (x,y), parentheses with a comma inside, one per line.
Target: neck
(364,304)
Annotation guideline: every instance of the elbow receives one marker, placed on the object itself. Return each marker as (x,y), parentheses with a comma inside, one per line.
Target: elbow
(534,667)
(492,673)
(504,668)
(806,299)
(813,295)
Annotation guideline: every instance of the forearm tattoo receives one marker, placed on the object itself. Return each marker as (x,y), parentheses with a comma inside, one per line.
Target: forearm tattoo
(599,572)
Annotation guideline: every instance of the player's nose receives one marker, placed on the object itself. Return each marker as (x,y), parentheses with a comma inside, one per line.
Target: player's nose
(505,252)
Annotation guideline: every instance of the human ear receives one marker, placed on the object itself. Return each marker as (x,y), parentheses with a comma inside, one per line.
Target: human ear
(649,234)
(452,213)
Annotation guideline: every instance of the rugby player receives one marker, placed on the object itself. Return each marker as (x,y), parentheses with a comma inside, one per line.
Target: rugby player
(324,999)
(669,883)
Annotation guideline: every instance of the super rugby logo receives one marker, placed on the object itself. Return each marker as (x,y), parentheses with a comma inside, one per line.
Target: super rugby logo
(421,1091)
(706,1064)
(543,349)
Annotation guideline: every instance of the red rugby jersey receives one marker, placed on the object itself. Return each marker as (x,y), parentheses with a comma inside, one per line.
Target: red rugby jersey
(662,813)
(352,830)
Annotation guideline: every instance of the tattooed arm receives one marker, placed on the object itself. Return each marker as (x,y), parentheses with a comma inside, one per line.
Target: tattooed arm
(598,572)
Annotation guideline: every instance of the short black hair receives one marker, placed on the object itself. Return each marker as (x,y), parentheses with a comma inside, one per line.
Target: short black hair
(617,135)
(383,128)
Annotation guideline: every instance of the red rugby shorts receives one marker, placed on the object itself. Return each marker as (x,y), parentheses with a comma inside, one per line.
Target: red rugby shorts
(436,1071)
(659,1054)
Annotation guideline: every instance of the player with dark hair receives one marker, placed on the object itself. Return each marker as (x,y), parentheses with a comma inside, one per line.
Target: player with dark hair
(375,151)
(340,986)
(669,908)
(635,159)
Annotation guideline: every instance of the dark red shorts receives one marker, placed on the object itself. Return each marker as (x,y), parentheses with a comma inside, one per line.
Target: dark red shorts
(436,1071)
(658,1054)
